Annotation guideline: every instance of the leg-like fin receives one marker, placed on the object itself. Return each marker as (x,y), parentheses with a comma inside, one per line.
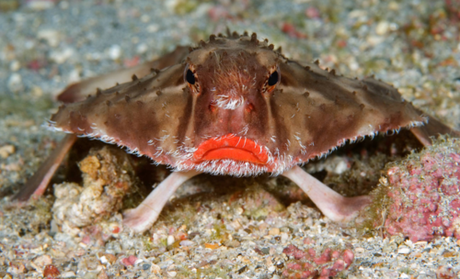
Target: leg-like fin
(432,128)
(78,91)
(36,185)
(332,204)
(142,217)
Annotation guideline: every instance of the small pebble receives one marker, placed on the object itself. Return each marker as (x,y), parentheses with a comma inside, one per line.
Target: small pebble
(7,150)
(284,237)
(103,260)
(51,271)
(394,6)
(15,83)
(68,274)
(187,243)
(114,52)
(52,37)
(142,48)
(145,18)
(42,260)
(39,5)
(146,266)
(15,65)
(110,258)
(62,55)
(170,240)
(102,275)
(211,246)
(129,261)
(152,28)
(359,251)
(232,243)
(382,28)
(155,268)
(265,250)
(341,166)
(274,231)
(403,250)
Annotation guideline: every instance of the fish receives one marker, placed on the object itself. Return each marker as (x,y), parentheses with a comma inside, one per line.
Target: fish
(232,105)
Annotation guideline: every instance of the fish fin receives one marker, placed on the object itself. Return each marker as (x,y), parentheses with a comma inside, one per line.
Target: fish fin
(333,205)
(80,90)
(37,184)
(432,129)
(143,216)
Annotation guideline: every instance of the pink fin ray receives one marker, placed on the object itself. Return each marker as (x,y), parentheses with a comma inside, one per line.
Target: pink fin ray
(431,129)
(37,184)
(332,204)
(144,215)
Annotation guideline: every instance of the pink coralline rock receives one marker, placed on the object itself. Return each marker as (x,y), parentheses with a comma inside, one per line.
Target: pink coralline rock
(129,261)
(307,264)
(422,193)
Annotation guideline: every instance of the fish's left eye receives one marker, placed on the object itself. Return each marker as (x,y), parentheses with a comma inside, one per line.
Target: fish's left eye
(273,79)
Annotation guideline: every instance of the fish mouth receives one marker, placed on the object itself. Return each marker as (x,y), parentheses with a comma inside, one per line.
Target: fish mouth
(233,148)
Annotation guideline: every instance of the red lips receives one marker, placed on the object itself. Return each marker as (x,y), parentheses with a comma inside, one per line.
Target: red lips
(231,147)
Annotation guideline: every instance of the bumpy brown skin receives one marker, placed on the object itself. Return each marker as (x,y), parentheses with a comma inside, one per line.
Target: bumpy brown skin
(307,113)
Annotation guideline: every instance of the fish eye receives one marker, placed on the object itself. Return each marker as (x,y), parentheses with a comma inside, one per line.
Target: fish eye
(190,77)
(273,79)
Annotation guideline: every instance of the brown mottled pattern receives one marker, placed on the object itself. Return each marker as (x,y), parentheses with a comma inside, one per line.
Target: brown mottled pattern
(279,131)
(78,92)
(130,114)
(310,111)
(338,108)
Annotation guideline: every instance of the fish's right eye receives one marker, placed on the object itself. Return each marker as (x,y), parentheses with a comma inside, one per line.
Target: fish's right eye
(190,77)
